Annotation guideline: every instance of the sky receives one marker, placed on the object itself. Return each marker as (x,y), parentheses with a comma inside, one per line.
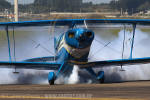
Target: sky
(22,1)
(94,1)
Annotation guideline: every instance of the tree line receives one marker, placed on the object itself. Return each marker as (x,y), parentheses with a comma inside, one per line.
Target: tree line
(132,6)
(4,5)
(44,6)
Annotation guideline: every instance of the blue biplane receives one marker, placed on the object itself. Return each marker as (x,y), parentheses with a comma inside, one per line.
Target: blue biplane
(72,48)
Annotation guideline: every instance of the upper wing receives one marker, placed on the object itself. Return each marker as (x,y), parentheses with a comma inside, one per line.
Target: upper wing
(110,63)
(71,22)
(30,65)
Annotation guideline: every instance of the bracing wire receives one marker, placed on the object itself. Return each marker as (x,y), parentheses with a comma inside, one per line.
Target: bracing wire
(104,46)
(101,48)
(116,51)
(38,44)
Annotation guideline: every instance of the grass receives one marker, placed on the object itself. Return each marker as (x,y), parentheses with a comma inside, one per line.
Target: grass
(147,30)
(115,31)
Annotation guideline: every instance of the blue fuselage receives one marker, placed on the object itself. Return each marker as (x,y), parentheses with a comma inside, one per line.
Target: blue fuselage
(74,45)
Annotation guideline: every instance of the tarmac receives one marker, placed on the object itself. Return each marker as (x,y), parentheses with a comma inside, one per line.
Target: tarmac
(139,90)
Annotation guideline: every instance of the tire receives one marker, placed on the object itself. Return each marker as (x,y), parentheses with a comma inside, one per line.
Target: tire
(101,77)
(102,80)
(51,78)
(51,82)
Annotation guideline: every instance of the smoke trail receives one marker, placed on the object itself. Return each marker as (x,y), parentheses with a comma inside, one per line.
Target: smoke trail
(112,74)
(71,77)
(32,77)
(74,77)
(134,72)
(25,49)
(25,76)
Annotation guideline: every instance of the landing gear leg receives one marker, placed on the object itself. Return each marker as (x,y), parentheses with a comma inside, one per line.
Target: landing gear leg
(100,76)
(51,78)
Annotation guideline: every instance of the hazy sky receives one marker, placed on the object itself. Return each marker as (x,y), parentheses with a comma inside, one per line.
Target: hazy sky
(30,1)
(22,1)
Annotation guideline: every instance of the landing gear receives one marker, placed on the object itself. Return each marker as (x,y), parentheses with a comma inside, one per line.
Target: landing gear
(101,77)
(51,82)
(51,78)
(102,80)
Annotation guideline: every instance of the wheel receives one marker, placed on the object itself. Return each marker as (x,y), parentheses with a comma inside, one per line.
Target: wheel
(51,78)
(102,80)
(51,82)
(101,77)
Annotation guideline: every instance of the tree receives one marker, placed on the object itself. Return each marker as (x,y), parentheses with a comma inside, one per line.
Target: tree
(144,6)
(4,5)
(57,5)
(131,5)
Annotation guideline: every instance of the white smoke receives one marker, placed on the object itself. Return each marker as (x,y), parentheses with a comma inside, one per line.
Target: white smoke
(74,77)
(132,72)
(112,51)
(5,76)
(25,76)
(29,44)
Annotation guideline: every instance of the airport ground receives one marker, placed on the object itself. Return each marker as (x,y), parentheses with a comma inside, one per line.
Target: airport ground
(139,90)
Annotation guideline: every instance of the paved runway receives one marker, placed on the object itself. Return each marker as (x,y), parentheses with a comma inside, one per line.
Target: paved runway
(139,90)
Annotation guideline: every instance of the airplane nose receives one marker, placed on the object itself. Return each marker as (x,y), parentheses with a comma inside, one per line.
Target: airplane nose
(86,35)
(81,38)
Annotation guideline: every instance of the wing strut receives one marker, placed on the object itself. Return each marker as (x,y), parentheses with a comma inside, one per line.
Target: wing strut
(123,47)
(15,72)
(14,44)
(134,27)
(9,51)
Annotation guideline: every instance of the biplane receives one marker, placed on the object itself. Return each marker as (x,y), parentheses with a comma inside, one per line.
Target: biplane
(72,48)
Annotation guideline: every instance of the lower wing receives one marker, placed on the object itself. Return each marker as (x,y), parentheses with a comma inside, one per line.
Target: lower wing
(108,63)
(55,66)
(41,59)
(30,65)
